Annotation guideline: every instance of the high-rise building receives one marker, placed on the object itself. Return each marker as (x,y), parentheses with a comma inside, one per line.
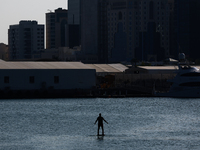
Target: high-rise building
(74,23)
(57,28)
(121,30)
(102,31)
(138,29)
(94,36)
(172,51)
(187,28)
(89,27)
(25,39)
(74,9)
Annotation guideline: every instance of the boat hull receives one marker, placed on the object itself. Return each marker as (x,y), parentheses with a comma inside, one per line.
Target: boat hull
(189,93)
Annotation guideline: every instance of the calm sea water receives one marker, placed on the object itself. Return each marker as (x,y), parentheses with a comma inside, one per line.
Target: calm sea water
(68,124)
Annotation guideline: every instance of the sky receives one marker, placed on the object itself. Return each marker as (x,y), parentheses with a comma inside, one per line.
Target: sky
(12,11)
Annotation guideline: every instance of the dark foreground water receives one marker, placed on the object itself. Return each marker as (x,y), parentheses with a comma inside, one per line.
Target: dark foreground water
(68,124)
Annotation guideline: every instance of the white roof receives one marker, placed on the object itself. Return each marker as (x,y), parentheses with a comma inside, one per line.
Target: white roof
(61,65)
(108,67)
(42,65)
(159,67)
(162,68)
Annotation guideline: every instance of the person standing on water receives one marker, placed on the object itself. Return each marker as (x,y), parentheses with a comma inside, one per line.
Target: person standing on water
(100,123)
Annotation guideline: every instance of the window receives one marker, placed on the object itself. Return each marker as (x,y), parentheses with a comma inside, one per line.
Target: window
(31,79)
(56,79)
(6,79)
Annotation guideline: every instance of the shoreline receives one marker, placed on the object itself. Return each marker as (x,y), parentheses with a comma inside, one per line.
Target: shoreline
(75,93)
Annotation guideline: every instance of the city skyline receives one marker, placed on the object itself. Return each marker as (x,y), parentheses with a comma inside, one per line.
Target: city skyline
(114,31)
(12,12)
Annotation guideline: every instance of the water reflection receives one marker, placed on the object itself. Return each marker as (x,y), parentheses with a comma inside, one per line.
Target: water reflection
(100,138)
(134,123)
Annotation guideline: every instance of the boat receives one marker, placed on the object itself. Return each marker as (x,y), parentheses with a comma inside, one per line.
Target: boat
(186,83)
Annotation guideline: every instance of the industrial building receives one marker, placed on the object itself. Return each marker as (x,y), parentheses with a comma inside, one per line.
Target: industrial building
(45,76)
(107,69)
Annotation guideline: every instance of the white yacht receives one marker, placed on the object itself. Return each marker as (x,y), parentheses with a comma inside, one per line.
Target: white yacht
(186,83)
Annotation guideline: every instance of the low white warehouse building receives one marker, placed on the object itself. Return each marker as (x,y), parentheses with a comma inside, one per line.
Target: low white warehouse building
(46,75)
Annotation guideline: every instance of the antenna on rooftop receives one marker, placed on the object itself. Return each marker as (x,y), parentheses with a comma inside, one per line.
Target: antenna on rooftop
(49,10)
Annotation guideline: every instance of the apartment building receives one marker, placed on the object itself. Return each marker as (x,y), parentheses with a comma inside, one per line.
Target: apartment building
(57,28)
(25,39)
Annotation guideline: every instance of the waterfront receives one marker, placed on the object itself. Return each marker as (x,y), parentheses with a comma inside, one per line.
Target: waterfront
(68,124)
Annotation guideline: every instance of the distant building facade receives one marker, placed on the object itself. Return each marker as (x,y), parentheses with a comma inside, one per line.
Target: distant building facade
(74,9)
(187,28)
(25,39)
(44,76)
(3,51)
(102,31)
(172,42)
(94,36)
(74,21)
(57,28)
(138,29)
(120,30)
(89,27)
(61,54)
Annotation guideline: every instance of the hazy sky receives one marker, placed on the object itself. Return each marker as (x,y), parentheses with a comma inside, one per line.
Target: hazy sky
(12,11)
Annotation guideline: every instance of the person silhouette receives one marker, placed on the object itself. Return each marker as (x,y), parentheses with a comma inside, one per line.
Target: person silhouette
(100,123)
